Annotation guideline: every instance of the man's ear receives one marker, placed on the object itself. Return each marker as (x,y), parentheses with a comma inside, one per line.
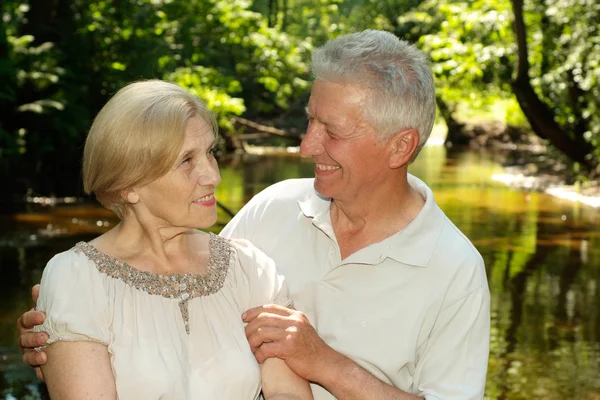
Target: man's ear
(402,147)
(130,196)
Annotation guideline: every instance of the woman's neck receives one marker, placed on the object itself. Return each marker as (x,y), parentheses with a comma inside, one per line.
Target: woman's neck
(155,247)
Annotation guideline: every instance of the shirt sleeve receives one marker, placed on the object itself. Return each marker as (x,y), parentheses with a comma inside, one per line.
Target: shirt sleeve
(72,296)
(257,277)
(455,362)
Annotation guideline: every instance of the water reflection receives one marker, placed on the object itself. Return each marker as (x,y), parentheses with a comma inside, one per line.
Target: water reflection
(542,256)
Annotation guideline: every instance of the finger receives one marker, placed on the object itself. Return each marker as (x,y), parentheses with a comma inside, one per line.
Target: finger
(21,323)
(265,335)
(277,309)
(35,293)
(32,318)
(264,320)
(267,350)
(40,374)
(252,313)
(34,359)
(29,340)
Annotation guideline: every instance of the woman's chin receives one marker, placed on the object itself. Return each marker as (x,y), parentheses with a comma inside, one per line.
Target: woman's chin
(205,223)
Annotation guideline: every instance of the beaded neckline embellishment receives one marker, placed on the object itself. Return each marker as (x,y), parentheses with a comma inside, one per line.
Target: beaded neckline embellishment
(181,287)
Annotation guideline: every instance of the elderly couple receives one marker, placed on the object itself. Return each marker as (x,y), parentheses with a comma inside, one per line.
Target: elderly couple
(390,299)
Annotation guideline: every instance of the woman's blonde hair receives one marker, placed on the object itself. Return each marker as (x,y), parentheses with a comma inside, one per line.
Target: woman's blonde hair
(136,137)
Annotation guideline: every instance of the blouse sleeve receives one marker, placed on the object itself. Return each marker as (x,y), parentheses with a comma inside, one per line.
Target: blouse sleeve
(257,276)
(73,299)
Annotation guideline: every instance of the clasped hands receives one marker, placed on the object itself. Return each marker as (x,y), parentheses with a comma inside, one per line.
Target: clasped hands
(277,331)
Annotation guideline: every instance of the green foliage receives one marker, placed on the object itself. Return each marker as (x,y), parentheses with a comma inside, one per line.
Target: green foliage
(315,20)
(60,62)
(214,89)
(565,44)
(470,45)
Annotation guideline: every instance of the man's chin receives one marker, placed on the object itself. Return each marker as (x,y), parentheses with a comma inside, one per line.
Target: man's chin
(322,189)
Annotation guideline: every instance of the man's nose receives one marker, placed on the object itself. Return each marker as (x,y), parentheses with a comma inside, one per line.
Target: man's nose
(312,143)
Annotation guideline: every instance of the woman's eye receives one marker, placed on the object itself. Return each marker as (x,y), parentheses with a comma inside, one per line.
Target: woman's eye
(212,151)
(186,161)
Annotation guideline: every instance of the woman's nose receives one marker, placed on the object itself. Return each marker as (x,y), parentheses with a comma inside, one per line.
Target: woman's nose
(209,174)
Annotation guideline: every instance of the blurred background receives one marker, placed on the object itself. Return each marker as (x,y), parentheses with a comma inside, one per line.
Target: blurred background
(513,159)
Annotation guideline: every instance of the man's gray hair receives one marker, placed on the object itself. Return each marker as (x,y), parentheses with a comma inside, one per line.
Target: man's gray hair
(399,75)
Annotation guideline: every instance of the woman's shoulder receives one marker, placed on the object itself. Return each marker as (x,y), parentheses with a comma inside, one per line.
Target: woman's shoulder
(255,275)
(69,259)
(249,259)
(67,266)
(68,275)
(243,249)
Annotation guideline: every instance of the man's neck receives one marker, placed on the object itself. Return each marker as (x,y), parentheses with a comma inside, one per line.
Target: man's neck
(357,226)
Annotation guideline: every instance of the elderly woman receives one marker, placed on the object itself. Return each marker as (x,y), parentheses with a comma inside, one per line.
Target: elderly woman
(151,309)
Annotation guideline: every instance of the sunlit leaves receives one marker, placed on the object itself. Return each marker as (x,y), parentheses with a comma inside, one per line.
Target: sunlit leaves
(468,42)
(214,89)
(39,106)
(568,50)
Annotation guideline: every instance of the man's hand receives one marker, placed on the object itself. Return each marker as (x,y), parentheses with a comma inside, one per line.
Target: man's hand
(29,339)
(276,331)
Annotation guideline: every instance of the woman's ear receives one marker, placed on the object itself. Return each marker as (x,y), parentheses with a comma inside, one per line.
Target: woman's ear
(403,146)
(130,196)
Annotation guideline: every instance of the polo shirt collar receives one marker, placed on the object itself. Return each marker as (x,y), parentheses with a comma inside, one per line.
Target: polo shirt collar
(413,245)
(316,207)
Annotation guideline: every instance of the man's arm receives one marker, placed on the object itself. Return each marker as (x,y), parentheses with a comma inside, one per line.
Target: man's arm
(275,331)
(28,340)
(347,380)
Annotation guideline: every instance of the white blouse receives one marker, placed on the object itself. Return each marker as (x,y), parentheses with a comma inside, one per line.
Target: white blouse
(168,336)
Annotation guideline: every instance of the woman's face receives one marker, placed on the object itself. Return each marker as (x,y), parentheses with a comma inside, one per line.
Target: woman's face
(184,197)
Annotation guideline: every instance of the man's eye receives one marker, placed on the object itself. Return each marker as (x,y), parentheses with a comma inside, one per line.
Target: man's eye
(212,150)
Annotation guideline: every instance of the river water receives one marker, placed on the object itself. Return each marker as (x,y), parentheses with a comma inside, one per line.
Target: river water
(542,256)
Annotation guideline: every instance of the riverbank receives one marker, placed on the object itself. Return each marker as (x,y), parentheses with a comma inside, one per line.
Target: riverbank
(530,164)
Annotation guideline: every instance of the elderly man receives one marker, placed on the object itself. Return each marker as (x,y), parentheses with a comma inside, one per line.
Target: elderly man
(393,297)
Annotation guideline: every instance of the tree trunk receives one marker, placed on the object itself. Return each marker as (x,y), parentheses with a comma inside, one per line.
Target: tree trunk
(284,23)
(539,115)
(457,134)
(273,11)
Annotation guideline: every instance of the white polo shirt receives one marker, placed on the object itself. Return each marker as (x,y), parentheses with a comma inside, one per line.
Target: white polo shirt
(413,309)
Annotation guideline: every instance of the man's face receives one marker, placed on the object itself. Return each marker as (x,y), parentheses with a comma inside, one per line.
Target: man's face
(350,161)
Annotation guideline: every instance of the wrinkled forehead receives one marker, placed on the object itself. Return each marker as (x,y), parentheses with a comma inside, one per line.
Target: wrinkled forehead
(198,131)
(333,101)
